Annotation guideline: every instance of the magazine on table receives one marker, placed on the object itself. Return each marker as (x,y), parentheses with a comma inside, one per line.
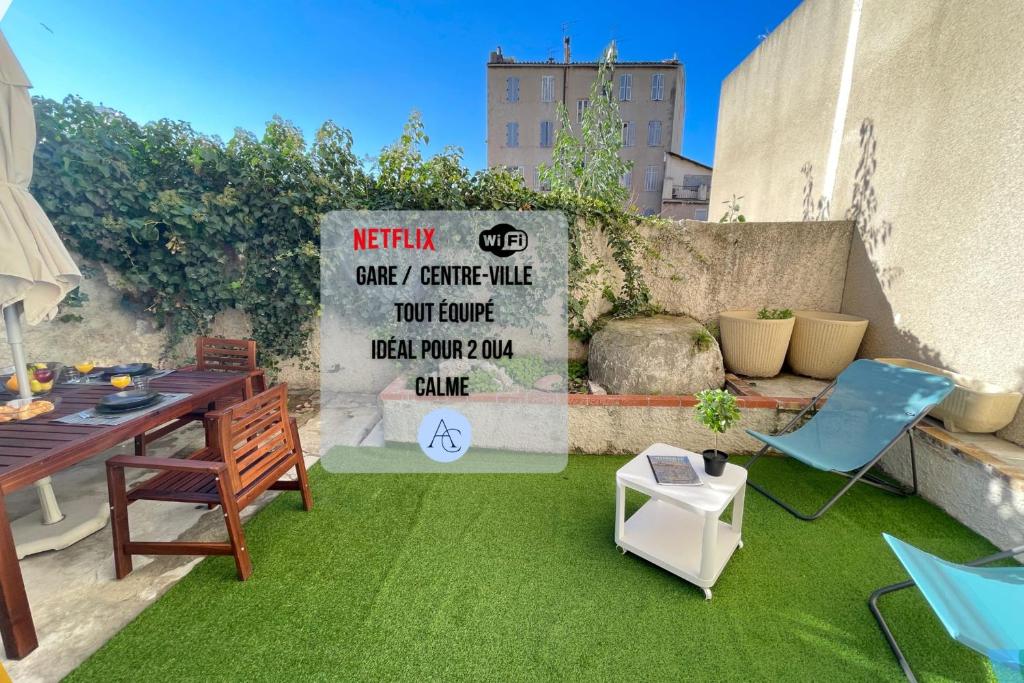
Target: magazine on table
(674,470)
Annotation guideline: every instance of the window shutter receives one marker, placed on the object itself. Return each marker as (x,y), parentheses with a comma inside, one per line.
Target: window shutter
(653,133)
(657,87)
(512,134)
(512,89)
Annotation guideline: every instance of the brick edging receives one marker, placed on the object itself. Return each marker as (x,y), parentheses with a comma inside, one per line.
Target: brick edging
(396,391)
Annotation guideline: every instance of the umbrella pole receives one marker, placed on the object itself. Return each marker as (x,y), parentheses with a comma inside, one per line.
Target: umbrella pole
(12,321)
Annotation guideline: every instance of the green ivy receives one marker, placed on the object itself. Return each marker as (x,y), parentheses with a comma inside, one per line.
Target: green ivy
(193,226)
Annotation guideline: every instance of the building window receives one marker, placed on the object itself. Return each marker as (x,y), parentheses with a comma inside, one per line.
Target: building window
(581,106)
(657,87)
(651,179)
(654,133)
(512,89)
(625,87)
(629,134)
(547,134)
(700,214)
(547,88)
(512,134)
(627,180)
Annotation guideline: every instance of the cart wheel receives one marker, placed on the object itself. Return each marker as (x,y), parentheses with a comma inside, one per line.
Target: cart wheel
(740,543)
(621,549)
(707,593)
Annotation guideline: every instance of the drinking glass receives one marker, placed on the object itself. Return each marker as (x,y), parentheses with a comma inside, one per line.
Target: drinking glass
(142,383)
(121,381)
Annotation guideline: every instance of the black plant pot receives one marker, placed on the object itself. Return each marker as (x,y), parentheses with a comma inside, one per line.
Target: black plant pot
(714,462)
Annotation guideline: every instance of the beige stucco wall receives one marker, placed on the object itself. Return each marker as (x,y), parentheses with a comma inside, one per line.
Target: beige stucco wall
(930,168)
(700,269)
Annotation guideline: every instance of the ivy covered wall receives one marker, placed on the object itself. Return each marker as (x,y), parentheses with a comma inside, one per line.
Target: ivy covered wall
(190,226)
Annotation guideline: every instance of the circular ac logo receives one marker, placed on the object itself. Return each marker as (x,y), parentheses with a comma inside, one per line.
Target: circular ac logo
(444,435)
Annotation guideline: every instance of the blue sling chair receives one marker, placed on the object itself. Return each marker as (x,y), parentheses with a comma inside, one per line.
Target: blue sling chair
(983,608)
(871,406)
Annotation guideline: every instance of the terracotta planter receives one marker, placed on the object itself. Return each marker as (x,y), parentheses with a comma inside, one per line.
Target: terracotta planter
(824,344)
(754,347)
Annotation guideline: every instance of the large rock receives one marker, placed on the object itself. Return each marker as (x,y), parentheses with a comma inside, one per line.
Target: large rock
(655,355)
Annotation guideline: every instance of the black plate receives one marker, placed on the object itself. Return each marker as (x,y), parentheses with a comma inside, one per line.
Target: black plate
(122,401)
(130,369)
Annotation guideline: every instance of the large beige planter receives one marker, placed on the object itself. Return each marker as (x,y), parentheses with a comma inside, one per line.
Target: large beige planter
(753,347)
(824,344)
(973,405)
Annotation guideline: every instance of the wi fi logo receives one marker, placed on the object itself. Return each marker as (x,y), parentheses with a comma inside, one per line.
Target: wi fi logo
(503,240)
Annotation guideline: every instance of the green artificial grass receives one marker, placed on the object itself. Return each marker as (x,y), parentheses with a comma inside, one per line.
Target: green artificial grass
(517,577)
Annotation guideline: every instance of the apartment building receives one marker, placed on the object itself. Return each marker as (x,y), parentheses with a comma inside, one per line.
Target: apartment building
(687,188)
(522,100)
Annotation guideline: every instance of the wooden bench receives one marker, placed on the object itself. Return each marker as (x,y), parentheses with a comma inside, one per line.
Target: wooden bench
(218,355)
(252,445)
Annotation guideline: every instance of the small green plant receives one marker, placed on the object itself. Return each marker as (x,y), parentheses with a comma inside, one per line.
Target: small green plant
(774,314)
(481,382)
(578,380)
(732,211)
(716,409)
(526,370)
(702,339)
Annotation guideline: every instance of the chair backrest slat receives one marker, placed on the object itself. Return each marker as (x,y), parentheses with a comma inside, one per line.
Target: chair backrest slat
(255,437)
(238,355)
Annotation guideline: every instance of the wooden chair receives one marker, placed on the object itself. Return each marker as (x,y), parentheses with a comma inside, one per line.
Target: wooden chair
(252,445)
(225,355)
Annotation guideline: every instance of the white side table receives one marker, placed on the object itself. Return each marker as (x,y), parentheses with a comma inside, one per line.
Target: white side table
(679,528)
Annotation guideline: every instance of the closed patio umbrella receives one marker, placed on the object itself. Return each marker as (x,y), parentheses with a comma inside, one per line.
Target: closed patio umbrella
(36,273)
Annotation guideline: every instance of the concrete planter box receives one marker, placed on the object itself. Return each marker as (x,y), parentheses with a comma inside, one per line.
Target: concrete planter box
(973,405)
(754,347)
(495,417)
(623,423)
(823,344)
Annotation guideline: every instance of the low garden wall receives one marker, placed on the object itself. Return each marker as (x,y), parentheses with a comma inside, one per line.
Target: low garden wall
(701,269)
(693,268)
(599,423)
(968,482)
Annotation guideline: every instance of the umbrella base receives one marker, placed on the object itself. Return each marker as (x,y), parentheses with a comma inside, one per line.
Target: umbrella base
(82,517)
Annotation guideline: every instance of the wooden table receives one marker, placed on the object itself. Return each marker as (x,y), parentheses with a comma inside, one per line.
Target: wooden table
(40,447)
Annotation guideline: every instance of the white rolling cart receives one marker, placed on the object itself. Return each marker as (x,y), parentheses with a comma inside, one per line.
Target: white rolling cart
(680,528)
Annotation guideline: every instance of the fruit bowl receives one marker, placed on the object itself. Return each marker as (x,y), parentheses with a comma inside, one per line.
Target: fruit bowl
(42,377)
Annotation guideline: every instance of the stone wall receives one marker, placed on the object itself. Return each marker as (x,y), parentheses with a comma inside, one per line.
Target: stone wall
(971,487)
(905,117)
(693,268)
(700,269)
(112,330)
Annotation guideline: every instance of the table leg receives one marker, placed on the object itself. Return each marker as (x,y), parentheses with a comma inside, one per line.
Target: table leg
(737,513)
(708,545)
(16,627)
(620,510)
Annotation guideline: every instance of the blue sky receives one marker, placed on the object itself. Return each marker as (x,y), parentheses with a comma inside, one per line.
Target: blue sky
(222,64)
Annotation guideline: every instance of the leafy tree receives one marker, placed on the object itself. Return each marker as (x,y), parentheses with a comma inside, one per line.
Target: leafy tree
(585,160)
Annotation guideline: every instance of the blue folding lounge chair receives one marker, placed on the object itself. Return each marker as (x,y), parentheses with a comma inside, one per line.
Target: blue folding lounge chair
(871,406)
(981,608)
